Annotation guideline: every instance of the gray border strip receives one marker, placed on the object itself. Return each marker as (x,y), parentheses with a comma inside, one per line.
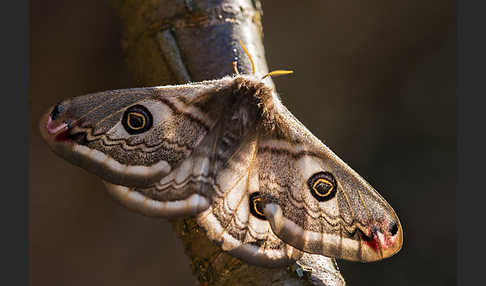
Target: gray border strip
(15,142)
(471,158)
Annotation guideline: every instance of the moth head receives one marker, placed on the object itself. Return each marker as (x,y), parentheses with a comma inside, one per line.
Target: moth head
(111,134)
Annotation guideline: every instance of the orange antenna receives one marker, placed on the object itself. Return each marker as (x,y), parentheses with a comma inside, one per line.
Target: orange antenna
(272,73)
(235,67)
(277,73)
(249,56)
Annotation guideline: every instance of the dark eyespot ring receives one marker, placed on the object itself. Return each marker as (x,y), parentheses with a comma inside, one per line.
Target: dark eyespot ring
(393,228)
(323,186)
(56,111)
(137,119)
(256,206)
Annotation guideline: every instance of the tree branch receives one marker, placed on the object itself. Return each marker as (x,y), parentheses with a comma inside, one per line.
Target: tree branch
(177,41)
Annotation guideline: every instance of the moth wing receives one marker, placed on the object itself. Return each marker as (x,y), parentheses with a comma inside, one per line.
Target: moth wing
(188,188)
(89,130)
(184,191)
(354,222)
(228,220)
(215,184)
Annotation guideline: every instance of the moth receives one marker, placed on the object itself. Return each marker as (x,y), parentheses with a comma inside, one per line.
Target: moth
(229,153)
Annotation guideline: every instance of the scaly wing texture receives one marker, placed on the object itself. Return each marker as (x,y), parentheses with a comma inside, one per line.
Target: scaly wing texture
(318,204)
(229,220)
(227,151)
(222,177)
(91,131)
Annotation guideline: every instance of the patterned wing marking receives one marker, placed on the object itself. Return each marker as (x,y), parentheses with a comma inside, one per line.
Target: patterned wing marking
(317,203)
(91,131)
(186,190)
(229,222)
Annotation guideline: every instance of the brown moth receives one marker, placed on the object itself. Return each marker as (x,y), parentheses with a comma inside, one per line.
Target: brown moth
(228,152)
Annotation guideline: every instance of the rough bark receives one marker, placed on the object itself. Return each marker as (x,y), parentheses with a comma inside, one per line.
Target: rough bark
(176,41)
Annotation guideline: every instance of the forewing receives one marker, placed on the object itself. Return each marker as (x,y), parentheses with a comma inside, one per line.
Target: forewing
(91,131)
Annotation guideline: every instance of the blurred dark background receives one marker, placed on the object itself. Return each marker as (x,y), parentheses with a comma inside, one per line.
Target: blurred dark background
(385,69)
